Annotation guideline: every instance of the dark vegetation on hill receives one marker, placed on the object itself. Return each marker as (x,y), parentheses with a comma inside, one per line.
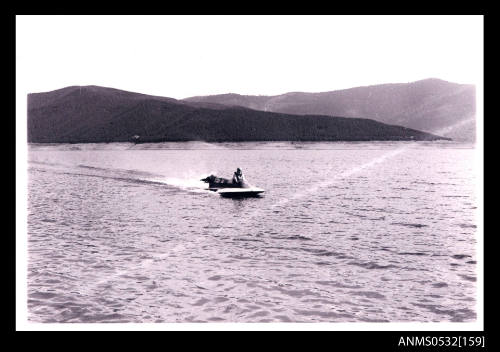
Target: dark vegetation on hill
(430,105)
(97,114)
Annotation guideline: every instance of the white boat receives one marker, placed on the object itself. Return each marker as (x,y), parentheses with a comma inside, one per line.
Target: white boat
(227,188)
(240,192)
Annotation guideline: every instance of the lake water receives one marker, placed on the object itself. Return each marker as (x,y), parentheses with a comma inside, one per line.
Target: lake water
(345,232)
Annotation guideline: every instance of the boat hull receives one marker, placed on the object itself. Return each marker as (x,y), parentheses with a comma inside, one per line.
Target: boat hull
(240,192)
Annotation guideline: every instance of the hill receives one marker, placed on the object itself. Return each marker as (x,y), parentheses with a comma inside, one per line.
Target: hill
(81,114)
(430,105)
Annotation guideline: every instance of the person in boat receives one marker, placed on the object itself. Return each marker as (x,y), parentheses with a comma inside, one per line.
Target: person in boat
(238,176)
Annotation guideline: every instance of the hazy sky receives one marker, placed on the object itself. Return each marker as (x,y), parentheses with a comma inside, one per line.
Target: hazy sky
(181,56)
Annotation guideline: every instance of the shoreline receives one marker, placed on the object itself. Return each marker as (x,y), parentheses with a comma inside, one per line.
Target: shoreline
(201,145)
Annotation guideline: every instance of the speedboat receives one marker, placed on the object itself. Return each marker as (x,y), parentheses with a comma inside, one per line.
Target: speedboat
(227,188)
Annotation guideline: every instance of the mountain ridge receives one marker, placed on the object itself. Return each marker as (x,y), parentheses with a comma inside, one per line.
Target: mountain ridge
(392,103)
(79,114)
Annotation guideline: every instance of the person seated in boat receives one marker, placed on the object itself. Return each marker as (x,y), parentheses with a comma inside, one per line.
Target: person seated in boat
(238,176)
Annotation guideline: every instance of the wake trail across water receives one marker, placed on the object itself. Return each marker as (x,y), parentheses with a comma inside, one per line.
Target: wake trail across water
(190,183)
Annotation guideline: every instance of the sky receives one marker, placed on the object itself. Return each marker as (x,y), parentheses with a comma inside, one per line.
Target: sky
(182,56)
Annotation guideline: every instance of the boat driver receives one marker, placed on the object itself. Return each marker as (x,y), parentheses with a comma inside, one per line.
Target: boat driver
(238,176)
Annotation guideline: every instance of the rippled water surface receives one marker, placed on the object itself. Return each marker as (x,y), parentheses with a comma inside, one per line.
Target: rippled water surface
(345,232)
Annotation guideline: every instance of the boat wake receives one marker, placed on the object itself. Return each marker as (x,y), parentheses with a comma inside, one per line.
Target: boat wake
(190,183)
(186,184)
